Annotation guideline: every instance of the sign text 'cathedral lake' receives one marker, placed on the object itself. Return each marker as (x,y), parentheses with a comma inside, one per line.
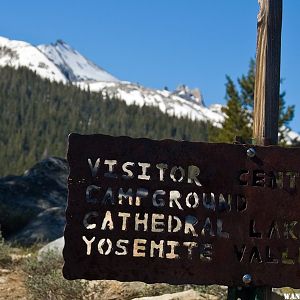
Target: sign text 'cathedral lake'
(182,212)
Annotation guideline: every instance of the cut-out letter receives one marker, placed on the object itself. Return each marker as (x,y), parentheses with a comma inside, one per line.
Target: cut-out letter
(94,169)
(220,231)
(107,222)
(143,222)
(127,171)
(171,227)
(195,200)
(161,168)
(86,220)
(158,201)
(88,244)
(126,195)
(190,222)
(190,246)
(193,172)
(121,245)
(174,171)
(139,247)
(124,217)
(144,175)
(159,247)
(158,223)
(102,243)
(174,196)
(90,194)
(172,254)
(111,163)
(140,194)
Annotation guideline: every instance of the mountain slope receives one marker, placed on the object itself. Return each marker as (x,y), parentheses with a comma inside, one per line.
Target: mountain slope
(181,102)
(18,53)
(73,65)
(60,62)
(37,115)
(183,106)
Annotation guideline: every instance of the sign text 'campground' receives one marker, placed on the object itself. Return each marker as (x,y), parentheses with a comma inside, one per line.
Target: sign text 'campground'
(182,212)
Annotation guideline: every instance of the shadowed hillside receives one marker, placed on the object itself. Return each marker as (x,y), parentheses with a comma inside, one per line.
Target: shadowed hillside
(37,115)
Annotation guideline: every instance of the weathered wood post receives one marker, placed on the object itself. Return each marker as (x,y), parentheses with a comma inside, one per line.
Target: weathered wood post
(267,82)
(267,79)
(266,100)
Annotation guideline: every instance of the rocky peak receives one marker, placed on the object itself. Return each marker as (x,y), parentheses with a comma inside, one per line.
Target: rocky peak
(186,93)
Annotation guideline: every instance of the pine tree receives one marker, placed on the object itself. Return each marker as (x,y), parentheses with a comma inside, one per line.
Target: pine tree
(239,109)
(237,120)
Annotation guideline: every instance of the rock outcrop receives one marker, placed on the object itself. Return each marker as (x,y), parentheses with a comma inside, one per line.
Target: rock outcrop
(55,246)
(32,205)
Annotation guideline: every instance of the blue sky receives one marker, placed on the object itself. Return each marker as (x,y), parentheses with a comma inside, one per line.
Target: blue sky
(161,42)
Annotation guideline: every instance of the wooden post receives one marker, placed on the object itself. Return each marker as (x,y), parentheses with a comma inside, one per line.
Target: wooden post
(267,83)
(267,79)
(266,102)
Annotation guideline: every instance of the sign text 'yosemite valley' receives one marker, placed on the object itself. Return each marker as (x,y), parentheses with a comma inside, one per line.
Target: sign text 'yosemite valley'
(182,212)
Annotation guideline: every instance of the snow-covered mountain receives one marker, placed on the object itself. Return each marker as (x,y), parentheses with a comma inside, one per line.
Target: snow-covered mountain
(183,105)
(18,53)
(73,65)
(60,62)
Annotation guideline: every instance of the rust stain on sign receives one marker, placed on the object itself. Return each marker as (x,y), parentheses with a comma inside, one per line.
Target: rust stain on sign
(182,212)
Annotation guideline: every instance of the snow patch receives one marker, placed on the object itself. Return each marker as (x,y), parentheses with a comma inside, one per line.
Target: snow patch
(17,54)
(73,65)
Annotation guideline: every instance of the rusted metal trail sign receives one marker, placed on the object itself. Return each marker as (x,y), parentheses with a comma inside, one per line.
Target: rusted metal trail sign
(182,212)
